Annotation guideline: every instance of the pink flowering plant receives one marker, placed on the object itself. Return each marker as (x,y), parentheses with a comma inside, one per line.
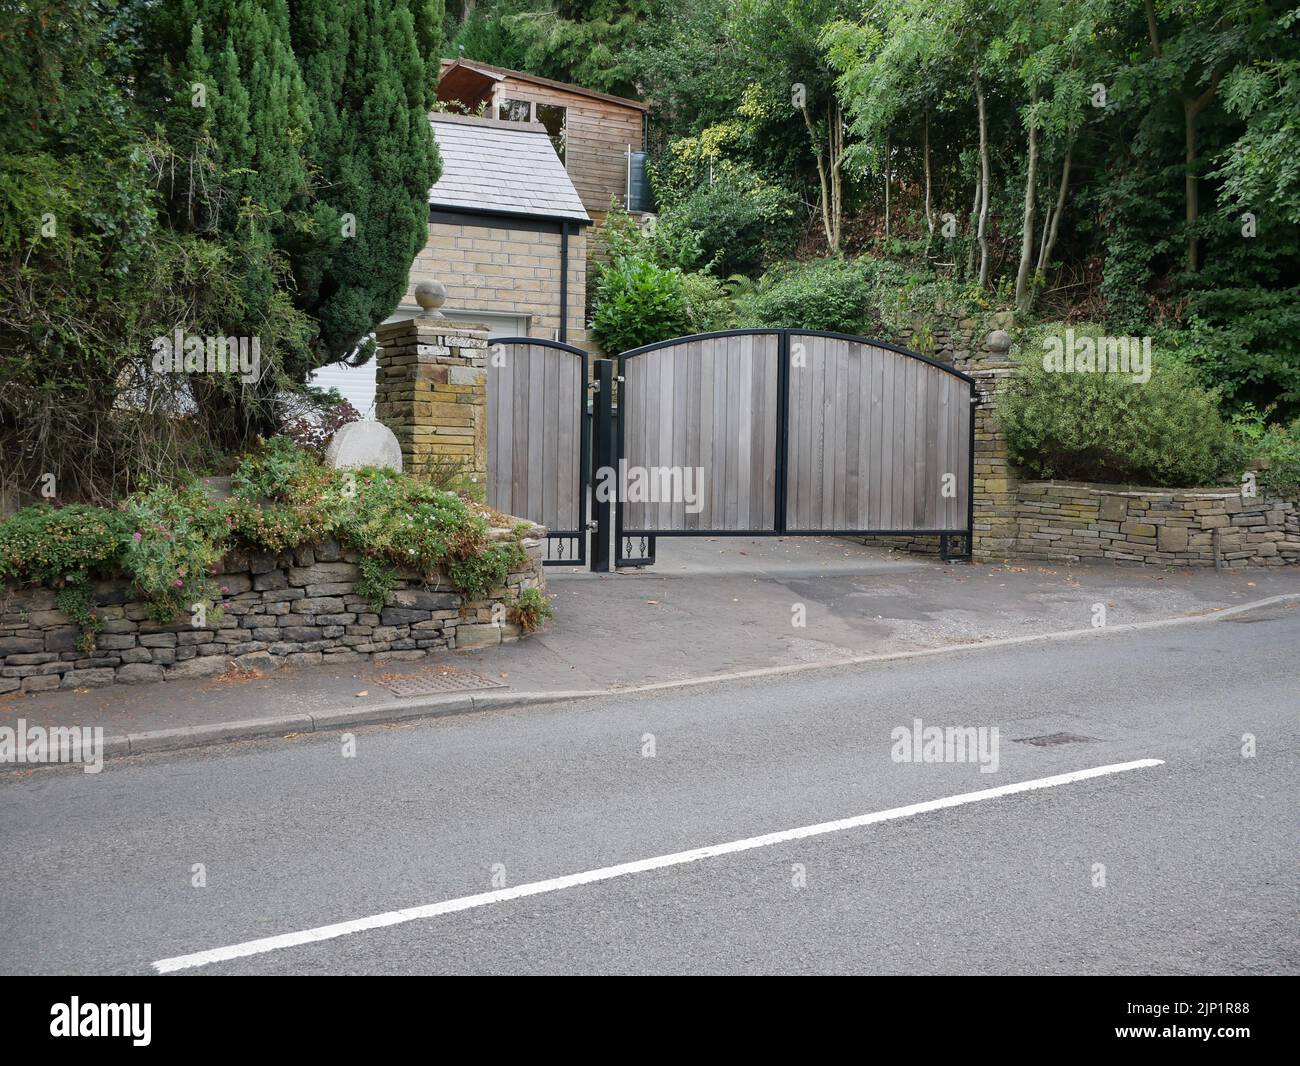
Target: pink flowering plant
(175,540)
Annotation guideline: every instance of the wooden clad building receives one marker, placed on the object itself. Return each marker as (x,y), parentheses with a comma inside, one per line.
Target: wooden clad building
(592,132)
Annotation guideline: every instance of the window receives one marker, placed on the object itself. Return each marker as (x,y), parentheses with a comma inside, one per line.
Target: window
(515,111)
(552,116)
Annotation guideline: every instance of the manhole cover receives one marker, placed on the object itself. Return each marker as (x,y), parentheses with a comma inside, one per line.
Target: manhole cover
(433,684)
(1052,739)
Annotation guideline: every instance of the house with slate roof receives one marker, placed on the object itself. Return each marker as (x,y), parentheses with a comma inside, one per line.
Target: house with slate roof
(507,237)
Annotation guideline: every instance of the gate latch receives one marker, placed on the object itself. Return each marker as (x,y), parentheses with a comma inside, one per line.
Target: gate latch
(594,386)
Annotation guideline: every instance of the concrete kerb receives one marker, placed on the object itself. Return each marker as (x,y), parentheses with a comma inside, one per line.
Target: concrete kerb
(165,740)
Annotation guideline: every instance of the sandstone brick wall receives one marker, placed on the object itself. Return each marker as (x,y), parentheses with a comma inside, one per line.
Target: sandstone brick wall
(296,608)
(430,391)
(1077,521)
(511,270)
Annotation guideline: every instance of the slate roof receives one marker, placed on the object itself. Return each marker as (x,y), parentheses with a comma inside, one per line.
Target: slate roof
(505,167)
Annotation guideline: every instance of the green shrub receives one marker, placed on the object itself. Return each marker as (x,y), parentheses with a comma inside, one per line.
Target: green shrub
(1276,448)
(742,221)
(168,540)
(1107,427)
(174,541)
(829,294)
(708,304)
(531,609)
(54,545)
(638,302)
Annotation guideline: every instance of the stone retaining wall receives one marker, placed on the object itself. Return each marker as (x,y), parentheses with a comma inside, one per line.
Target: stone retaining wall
(297,608)
(1068,521)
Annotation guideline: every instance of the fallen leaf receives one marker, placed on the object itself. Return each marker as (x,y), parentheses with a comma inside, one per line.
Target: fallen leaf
(364,692)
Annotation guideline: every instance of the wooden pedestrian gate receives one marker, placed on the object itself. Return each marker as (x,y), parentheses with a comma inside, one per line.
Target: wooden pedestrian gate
(764,432)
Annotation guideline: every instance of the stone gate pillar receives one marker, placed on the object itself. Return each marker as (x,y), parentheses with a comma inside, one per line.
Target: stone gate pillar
(996,526)
(431,390)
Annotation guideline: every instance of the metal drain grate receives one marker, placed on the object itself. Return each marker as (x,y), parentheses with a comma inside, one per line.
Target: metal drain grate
(433,684)
(1052,739)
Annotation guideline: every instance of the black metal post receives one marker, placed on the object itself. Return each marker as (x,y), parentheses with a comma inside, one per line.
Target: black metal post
(603,457)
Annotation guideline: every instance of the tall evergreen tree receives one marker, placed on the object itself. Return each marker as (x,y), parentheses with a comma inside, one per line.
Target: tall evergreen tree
(371,82)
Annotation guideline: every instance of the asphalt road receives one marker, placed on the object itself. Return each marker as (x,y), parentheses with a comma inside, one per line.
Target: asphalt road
(1199,853)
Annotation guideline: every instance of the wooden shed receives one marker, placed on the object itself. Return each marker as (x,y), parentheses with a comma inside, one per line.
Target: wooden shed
(593,132)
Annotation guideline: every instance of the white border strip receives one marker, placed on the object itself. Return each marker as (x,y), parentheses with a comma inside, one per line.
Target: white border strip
(608,873)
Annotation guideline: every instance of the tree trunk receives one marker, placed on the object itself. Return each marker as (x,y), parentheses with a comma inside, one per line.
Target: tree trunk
(887,188)
(974,218)
(929,213)
(1191,189)
(1050,232)
(1023,298)
(837,175)
(981,232)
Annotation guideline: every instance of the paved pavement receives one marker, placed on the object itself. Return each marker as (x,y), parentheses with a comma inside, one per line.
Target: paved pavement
(1199,852)
(710,606)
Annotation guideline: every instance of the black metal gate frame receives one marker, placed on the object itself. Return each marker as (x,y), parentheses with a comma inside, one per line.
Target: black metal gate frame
(615,450)
(557,538)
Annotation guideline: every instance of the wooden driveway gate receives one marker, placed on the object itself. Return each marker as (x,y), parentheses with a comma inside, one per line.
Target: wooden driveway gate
(538,459)
(761,432)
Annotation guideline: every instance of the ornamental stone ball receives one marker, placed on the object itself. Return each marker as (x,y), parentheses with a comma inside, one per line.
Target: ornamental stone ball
(430,295)
(999,341)
(364,444)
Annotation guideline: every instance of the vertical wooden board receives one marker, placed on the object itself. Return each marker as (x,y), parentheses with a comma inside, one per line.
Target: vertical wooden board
(566,491)
(758,455)
(519,431)
(693,463)
(932,481)
(707,516)
(731,436)
(907,469)
(719,415)
(662,511)
(817,434)
(962,465)
(794,431)
(943,449)
(870,448)
(653,402)
(879,482)
(496,410)
(536,432)
(900,479)
(550,435)
(885,467)
(681,428)
(846,516)
(771,430)
(744,349)
(838,440)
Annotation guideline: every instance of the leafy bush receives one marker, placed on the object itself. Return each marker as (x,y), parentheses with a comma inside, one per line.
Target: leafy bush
(1106,427)
(168,541)
(708,304)
(176,539)
(49,545)
(1275,448)
(531,609)
(830,294)
(742,221)
(638,302)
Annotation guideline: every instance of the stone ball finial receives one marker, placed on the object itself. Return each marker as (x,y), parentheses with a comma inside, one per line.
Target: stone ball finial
(431,295)
(999,341)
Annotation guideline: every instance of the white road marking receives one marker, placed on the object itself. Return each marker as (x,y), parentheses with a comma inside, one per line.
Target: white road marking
(607,873)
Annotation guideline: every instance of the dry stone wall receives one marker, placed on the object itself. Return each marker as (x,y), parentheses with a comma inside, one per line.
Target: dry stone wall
(297,608)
